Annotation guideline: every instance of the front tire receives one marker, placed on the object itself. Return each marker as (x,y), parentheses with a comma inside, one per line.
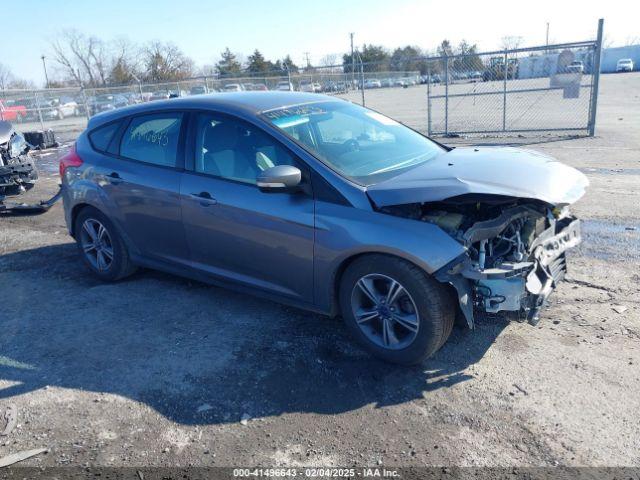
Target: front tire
(394,309)
(101,246)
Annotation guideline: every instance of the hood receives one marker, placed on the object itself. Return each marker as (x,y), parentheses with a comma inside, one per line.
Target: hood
(502,171)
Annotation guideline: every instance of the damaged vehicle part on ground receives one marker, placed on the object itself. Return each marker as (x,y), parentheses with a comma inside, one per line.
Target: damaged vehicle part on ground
(17,170)
(18,174)
(319,203)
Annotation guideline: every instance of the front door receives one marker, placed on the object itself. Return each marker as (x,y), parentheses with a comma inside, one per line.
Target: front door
(234,230)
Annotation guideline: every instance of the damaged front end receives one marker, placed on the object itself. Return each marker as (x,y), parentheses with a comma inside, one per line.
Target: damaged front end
(516,251)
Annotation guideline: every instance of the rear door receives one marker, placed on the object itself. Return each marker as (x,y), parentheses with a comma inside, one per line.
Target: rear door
(234,230)
(141,179)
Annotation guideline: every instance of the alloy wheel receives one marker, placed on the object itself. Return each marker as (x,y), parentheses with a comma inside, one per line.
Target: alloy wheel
(96,244)
(385,311)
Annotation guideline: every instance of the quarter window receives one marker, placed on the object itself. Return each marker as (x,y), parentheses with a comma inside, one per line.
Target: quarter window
(101,137)
(232,149)
(153,139)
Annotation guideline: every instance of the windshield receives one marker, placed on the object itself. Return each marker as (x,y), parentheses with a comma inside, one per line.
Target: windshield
(358,143)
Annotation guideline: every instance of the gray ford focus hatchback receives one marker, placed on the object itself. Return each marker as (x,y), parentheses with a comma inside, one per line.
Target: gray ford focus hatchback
(326,205)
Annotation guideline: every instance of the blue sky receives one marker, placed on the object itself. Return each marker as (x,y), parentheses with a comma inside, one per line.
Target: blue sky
(202,29)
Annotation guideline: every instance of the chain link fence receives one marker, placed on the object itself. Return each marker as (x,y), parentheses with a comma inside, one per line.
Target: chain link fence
(534,90)
(550,89)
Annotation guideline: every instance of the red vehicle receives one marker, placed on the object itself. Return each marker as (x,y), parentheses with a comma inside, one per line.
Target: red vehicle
(12,112)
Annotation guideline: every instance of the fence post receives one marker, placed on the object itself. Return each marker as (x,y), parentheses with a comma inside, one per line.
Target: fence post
(504,92)
(362,79)
(39,112)
(596,80)
(446,94)
(86,104)
(428,99)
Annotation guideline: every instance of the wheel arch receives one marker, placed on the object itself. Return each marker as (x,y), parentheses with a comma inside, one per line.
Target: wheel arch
(82,206)
(348,261)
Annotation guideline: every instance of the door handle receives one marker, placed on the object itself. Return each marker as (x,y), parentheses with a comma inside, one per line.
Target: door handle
(205,198)
(114,177)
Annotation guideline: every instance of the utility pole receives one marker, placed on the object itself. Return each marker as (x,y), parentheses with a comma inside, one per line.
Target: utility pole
(547,43)
(46,77)
(353,62)
(306,55)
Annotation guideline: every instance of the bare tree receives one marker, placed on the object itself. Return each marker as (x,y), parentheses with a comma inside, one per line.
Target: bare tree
(83,58)
(510,42)
(166,62)
(632,41)
(5,77)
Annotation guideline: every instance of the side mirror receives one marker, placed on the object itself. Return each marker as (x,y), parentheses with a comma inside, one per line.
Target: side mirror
(281,178)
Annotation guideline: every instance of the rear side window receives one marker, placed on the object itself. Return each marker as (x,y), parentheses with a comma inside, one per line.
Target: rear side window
(153,139)
(101,137)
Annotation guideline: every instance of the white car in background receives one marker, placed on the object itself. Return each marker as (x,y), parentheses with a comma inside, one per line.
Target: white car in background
(624,65)
(233,87)
(284,87)
(576,67)
(310,87)
(62,107)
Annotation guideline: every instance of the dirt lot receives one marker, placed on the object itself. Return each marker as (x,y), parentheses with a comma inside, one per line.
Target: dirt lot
(158,370)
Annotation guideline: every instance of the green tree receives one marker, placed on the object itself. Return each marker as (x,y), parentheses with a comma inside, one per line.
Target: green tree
(406,59)
(375,58)
(121,73)
(256,63)
(288,63)
(228,64)
(470,60)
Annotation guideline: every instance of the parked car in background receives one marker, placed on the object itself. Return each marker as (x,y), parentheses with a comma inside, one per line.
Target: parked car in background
(256,87)
(475,76)
(372,83)
(59,108)
(309,86)
(107,102)
(400,82)
(233,87)
(12,112)
(177,93)
(199,90)
(159,95)
(285,87)
(326,205)
(576,67)
(624,65)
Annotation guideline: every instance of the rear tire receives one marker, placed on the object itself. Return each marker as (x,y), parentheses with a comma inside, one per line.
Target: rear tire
(101,247)
(433,304)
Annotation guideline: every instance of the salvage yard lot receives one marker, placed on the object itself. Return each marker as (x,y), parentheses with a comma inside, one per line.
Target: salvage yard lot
(159,370)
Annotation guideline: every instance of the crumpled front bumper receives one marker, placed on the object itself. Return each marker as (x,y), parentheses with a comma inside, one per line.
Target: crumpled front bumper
(517,289)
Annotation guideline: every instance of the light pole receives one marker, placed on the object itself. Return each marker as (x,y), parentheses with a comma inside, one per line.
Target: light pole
(44,65)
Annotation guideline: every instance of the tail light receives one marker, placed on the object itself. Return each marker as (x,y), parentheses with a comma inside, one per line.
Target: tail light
(71,159)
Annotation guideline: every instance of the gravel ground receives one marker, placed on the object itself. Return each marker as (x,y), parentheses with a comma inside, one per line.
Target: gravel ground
(159,371)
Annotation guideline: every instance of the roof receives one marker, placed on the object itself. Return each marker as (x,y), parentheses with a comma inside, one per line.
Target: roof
(240,102)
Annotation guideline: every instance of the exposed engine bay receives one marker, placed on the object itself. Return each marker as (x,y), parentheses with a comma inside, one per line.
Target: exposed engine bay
(515,251)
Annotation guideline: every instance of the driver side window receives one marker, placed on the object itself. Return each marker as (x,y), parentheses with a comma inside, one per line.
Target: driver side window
(229,148)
